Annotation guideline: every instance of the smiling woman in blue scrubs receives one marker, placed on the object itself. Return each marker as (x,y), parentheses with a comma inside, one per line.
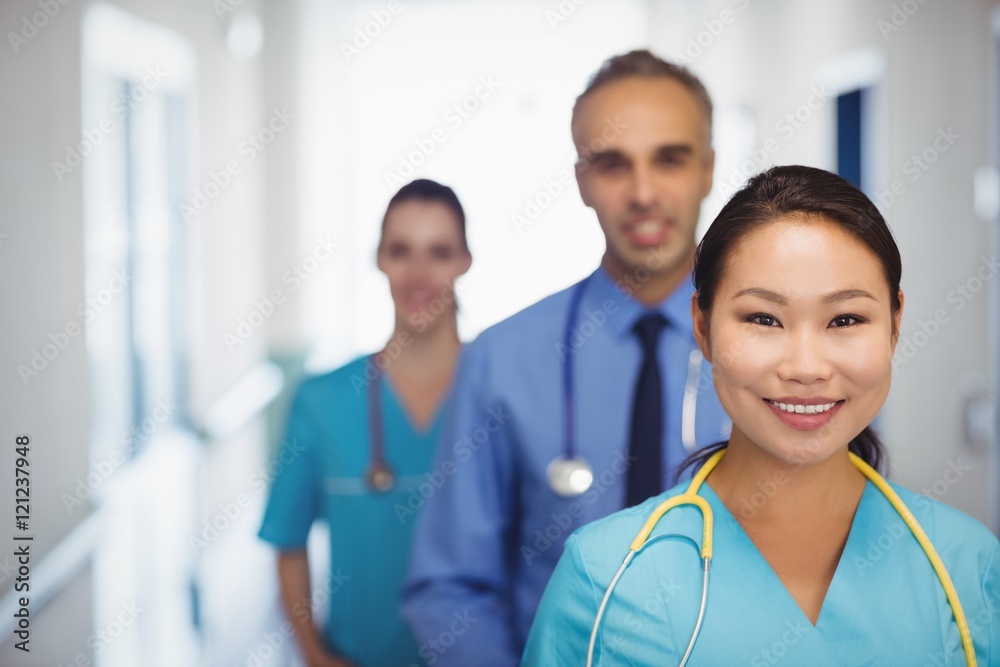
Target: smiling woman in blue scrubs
(798,305)
(360,440)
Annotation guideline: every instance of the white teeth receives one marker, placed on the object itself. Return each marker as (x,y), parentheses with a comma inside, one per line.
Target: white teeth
(647,226)
(803,409)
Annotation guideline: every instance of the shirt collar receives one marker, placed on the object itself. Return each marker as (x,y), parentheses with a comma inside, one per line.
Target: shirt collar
(676,307)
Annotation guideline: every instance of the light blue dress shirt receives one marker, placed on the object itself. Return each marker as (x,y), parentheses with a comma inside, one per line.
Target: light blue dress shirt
(885,605)
(489,537)
(320,475)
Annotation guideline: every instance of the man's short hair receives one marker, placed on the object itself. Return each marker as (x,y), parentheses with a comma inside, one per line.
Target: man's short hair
(643,63)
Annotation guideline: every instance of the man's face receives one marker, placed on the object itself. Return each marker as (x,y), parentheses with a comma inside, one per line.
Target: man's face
(645,166)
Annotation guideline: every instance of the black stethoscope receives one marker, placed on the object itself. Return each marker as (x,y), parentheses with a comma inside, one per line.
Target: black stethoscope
(380,476)
(569,474)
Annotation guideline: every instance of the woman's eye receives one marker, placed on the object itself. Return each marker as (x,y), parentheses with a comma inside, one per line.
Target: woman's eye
(442,253)
(763,320)
(842,321)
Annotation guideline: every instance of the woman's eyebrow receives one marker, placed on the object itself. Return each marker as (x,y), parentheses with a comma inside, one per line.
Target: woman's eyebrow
(832,297)
(762,293)
(845,294)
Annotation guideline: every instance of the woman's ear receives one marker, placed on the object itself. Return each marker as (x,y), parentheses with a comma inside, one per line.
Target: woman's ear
(466,263)
(699,319)
(897,319)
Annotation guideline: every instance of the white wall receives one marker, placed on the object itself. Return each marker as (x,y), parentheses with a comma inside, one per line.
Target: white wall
(766,57)
(42,265)
(41,268)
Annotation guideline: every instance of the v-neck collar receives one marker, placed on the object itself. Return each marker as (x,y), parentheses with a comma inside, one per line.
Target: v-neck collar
(832,597)
(421,432)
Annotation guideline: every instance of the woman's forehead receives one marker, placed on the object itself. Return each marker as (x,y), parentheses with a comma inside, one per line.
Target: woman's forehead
(416,219)
(798,254)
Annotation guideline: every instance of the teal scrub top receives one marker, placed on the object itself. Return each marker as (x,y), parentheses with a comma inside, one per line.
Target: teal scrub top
(321,475)
(885,605)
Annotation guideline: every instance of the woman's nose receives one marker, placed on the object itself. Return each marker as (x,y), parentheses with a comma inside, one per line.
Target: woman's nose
(806,358)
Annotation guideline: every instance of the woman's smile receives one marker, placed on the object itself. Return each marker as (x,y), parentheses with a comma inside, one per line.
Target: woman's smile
(804,414)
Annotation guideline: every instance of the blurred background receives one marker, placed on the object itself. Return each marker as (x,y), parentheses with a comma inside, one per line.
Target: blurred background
(190,198)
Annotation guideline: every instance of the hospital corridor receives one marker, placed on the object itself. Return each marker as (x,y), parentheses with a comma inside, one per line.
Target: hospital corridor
(266,405)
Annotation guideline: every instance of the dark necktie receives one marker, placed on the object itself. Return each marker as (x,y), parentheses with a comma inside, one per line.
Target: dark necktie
(645,474)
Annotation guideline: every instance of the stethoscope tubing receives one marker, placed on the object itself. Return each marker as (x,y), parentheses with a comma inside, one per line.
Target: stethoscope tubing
(379,476)
(569,453)
(376,439)
(690,497)
(568,368)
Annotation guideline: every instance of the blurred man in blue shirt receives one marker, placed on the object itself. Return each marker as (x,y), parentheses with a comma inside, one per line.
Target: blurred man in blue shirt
(605,372)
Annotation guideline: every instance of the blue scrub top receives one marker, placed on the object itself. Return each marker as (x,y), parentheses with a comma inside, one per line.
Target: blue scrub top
(323,462)
(488,540)
(885,605)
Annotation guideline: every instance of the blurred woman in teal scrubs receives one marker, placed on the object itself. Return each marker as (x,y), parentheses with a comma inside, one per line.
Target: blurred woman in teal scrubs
(361,439)
(798,308)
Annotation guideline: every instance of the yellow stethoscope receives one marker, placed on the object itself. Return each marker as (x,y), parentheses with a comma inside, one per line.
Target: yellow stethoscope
(691,497)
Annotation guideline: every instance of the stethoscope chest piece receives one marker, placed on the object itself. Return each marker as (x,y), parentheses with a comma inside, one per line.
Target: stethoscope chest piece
(569,474)
(569,477)
(380,477)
